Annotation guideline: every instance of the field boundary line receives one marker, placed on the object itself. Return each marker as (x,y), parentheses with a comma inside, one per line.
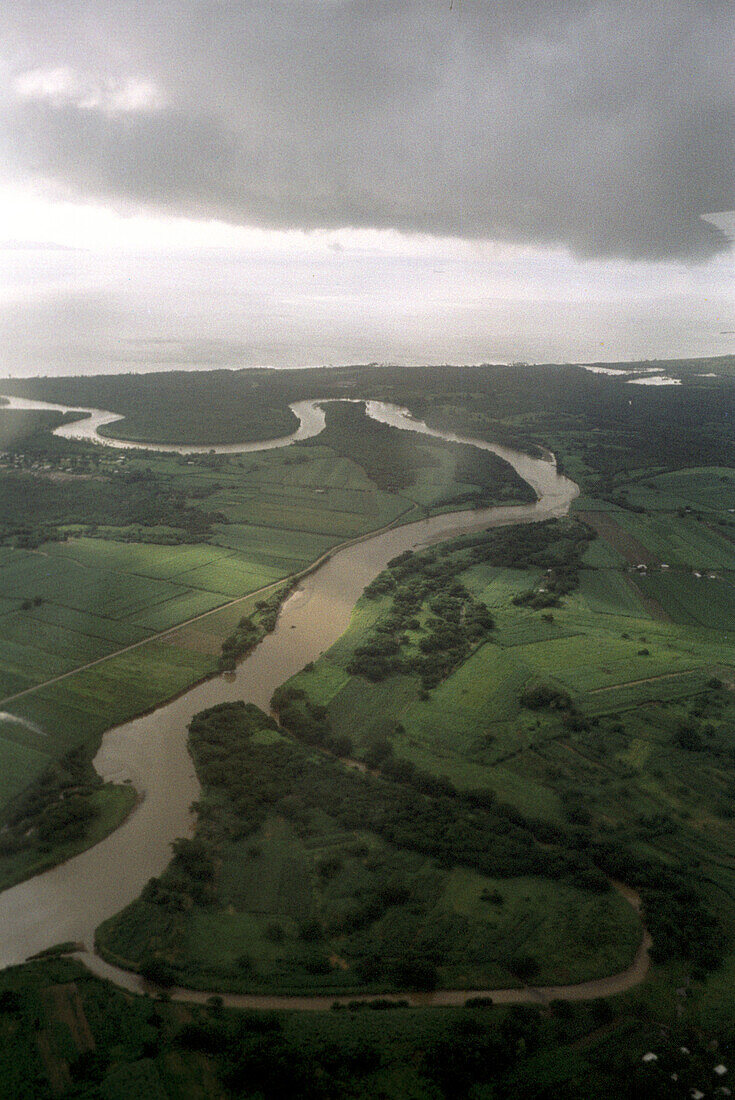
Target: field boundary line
(290,579)
(645,680)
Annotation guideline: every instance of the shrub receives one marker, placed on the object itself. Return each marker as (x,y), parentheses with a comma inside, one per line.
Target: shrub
(415,973)
(157,972)
(525,967)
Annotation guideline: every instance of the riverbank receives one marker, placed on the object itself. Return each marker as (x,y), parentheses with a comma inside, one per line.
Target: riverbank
(67,903)
(608,986)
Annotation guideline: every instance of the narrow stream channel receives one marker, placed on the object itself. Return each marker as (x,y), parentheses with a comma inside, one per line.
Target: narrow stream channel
(68,902)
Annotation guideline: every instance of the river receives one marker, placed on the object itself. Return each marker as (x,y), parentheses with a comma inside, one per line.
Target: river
(68,902)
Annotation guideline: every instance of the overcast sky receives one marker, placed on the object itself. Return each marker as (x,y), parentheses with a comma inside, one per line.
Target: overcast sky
(302,181)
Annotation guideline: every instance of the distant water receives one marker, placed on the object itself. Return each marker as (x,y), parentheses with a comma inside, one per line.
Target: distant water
(76,312)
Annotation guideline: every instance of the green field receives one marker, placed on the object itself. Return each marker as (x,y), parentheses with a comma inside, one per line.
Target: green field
(66,603)
(305,899)
(600,645)
(100,552)
(509,771)
(640,752)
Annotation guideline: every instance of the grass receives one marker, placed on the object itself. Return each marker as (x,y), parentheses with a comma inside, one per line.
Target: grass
(609,592)
(643,761)
(618,643)
(115,581)
(694,601)
(301,901)
(592,648)
(618,770)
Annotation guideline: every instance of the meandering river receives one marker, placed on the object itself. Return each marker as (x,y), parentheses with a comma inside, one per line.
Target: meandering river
(68,902)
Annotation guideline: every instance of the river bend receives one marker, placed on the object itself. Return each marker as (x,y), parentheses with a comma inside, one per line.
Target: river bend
(68,902)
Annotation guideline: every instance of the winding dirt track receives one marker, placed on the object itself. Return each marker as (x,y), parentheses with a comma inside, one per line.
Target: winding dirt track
(441,998)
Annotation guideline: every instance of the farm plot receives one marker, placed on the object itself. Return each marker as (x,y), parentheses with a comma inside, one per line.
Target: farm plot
(89,701)
(277,883)
(711,489)
(60,580)
(581,666)
(610,527)
(140,559)
(599,645)
(80,601)
(315,902)
(680,541)
(496,586)
(609,592)
(272,546)
(24,751)
(687,599)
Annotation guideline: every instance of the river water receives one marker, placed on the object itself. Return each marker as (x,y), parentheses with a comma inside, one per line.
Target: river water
(69,901)
(86,430)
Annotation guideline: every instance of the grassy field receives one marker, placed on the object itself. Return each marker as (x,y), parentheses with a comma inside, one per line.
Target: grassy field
(592,724)
(109,550)
(608,655)
(66,603)
(282,891)
(640,752)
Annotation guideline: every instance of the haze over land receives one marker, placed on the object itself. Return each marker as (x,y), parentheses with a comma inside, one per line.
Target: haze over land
(300,183)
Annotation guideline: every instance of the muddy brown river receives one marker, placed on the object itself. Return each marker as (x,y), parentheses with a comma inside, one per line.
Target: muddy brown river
(68,902)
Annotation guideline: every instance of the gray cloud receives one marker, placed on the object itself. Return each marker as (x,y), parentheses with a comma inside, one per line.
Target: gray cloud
(606,127)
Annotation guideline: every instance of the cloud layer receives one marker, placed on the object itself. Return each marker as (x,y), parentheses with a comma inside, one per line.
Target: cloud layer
(608,127)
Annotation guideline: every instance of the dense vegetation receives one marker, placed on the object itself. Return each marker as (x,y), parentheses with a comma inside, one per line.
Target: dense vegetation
(36,508)
(383,847)
(104,550)
(518,404)
(432,622)
(66,1033)
(27,432)
(394,458)
(64,810)
(173,407)
(250,629)
(535,729)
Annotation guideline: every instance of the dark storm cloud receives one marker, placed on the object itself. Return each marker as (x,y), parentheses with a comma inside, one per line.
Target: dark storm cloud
(606,127)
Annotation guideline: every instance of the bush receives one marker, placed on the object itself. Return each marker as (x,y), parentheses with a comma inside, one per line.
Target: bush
(415,973)
(689,738)
(157,972)
(525,967)
(310,931)
(545,696)
(275,933)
